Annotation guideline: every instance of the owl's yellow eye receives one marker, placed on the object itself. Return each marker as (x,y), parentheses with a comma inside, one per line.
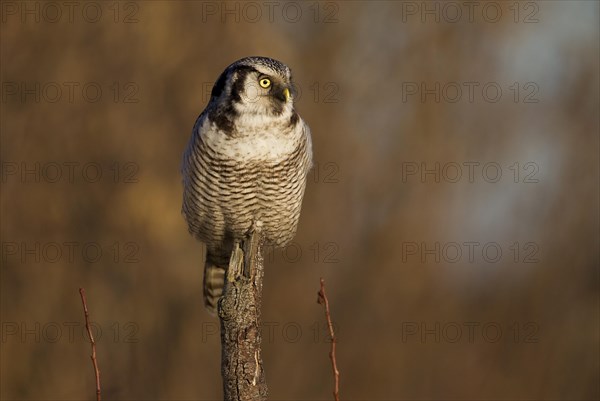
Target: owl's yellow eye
(265,83)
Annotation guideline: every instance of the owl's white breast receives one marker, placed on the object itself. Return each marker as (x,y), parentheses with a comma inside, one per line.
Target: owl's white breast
(253,142)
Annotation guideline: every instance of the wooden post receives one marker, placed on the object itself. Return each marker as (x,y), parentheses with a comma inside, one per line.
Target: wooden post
(239,313)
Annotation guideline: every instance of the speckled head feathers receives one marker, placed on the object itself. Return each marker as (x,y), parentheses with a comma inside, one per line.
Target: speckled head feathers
(251,91)
(266,62)
(261,65)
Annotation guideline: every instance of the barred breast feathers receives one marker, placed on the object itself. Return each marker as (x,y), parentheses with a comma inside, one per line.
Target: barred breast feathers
(218,168)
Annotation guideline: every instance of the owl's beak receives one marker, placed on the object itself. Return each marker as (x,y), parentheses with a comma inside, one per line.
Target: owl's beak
(286,93)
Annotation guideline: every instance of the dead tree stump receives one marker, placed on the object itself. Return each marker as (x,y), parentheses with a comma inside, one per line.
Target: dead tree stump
(239,313)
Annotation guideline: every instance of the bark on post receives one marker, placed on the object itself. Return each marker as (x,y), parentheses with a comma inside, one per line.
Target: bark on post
(239,313)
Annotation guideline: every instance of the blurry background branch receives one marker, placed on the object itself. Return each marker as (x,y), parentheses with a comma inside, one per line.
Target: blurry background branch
(336,373)
(239,312)
(91,337)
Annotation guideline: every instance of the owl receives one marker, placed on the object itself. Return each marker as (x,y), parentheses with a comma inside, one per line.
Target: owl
(245,164)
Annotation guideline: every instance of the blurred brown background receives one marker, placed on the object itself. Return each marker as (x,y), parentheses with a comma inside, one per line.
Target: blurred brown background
(458,283)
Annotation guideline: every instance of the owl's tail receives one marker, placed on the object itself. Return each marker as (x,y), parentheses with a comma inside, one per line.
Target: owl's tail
(214,281)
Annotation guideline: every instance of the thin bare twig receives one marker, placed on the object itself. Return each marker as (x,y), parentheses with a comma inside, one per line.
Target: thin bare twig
(91,336)
(336,373)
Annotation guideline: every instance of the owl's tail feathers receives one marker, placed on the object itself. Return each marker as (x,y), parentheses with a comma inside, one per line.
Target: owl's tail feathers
(214,281)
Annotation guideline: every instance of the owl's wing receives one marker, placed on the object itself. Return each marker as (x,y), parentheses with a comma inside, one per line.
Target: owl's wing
(309,152)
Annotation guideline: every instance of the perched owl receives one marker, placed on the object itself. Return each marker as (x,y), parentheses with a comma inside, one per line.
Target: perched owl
(246,163)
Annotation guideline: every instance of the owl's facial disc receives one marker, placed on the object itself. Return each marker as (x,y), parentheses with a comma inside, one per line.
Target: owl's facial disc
(259,93)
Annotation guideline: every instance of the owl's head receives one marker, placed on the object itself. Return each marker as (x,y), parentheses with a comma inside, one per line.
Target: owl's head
(255,86)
